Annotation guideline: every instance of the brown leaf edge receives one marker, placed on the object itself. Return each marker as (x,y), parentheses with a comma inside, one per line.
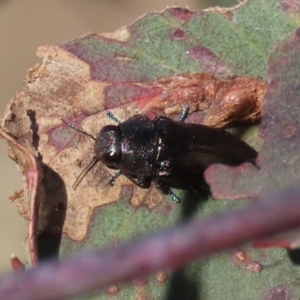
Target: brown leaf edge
(33,176)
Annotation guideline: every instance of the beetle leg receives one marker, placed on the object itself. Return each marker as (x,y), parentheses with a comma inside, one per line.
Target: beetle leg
(184,113)
(173,196)
(112,117)
(113,178)
(166,190)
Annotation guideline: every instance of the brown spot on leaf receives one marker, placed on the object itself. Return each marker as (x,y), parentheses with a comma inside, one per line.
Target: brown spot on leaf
(290,6)
(177,34)
(278,293)
(208,61)
(247,262)
(179,13)
(289,131)
(113,290)
(161,276)
(166,208)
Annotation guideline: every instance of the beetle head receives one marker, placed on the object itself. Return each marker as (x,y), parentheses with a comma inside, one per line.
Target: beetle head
(107,146)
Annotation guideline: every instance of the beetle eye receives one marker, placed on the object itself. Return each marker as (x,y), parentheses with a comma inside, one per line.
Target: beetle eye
(108,145)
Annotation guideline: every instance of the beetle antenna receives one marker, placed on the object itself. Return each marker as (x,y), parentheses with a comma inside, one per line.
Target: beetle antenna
(88,168)
(79,130)
(112,117)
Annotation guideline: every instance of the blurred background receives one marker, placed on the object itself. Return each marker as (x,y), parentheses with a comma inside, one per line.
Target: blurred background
(27,24)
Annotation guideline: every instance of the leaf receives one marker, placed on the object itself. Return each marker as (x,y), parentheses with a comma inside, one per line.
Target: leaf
(120,71)
(278,159)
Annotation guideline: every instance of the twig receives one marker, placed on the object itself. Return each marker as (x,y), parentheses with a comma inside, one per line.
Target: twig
(168,249)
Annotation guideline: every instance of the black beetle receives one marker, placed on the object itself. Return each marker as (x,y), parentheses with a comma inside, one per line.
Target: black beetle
(172,154)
